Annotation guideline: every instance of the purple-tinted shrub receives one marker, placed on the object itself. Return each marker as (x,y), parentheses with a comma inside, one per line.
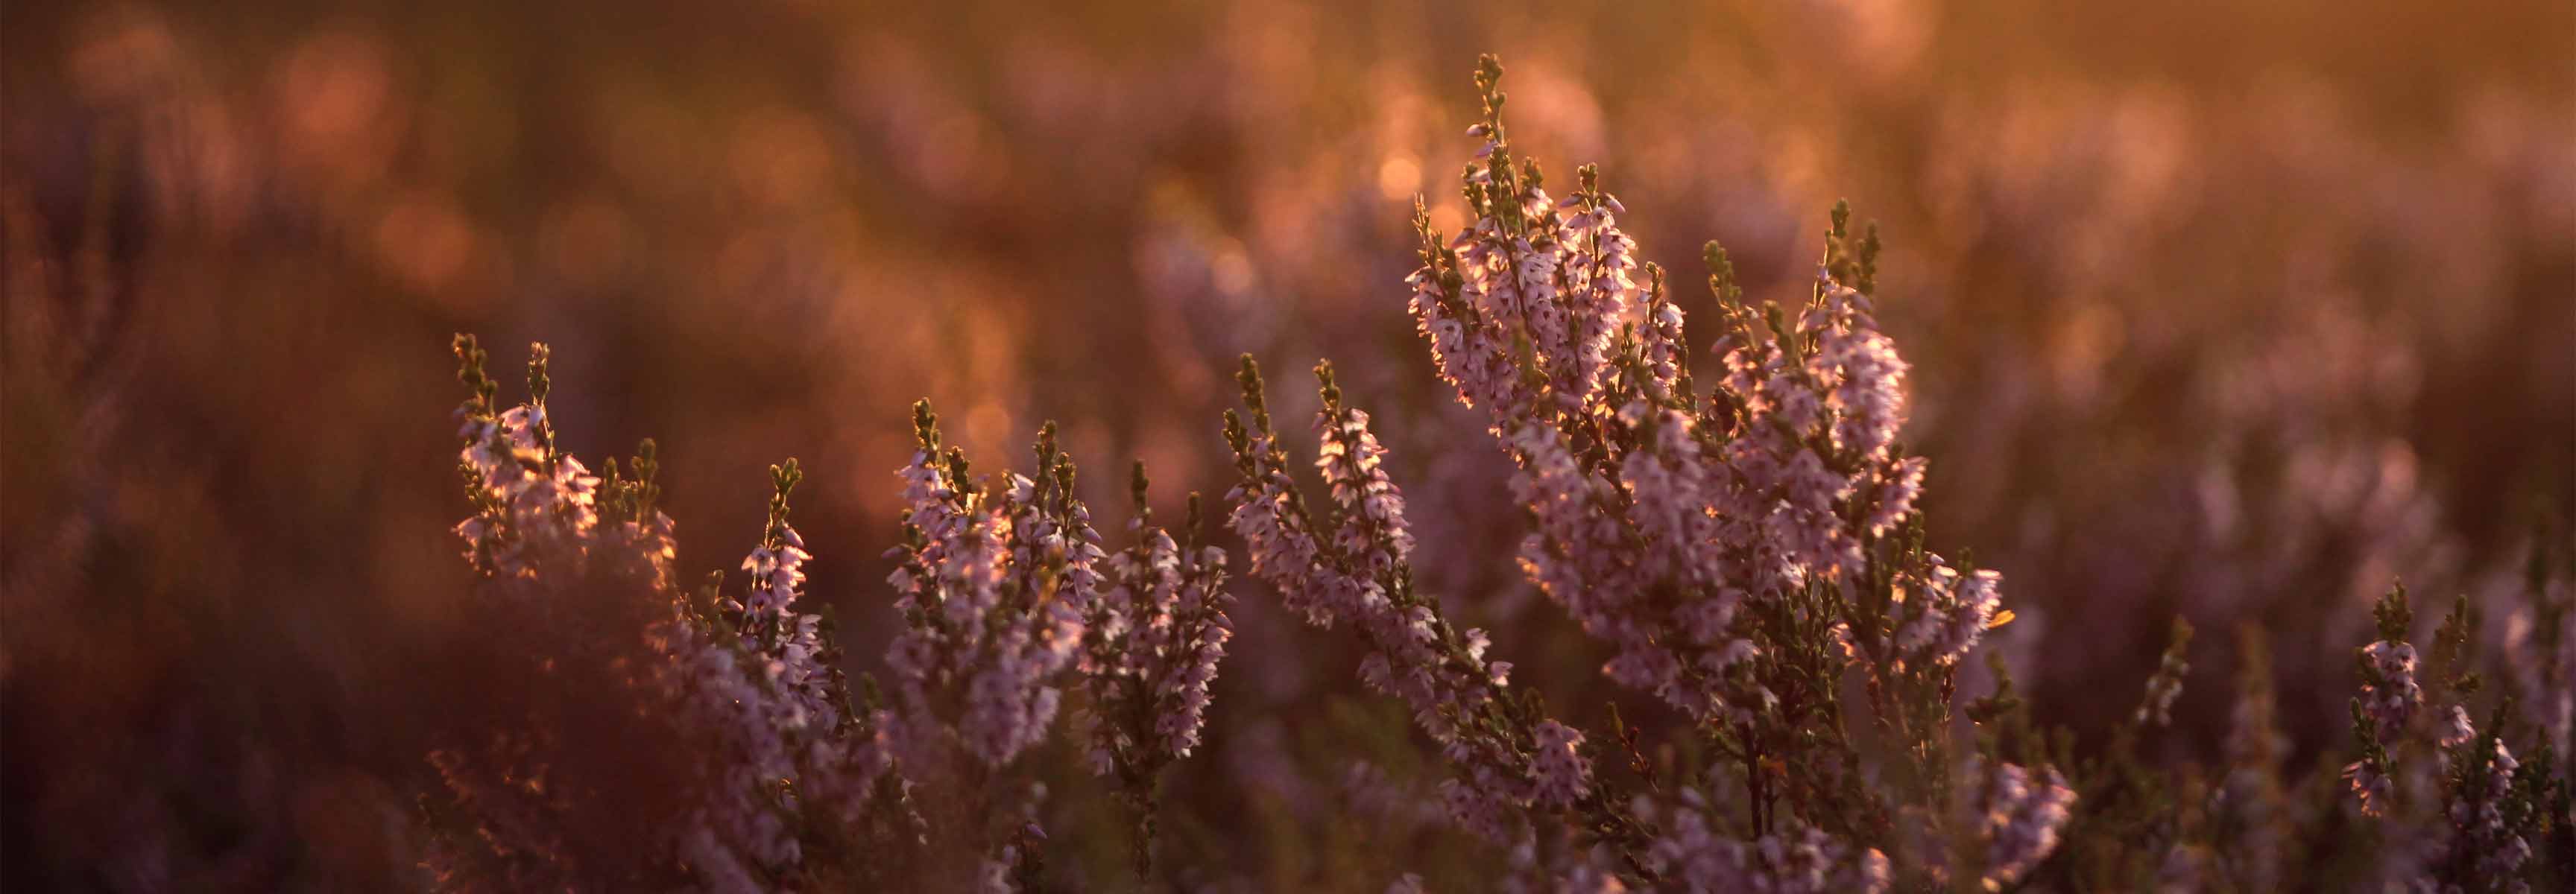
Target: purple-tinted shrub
(1740,538)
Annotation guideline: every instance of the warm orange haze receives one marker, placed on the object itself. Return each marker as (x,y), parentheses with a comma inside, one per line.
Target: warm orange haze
(1596,559)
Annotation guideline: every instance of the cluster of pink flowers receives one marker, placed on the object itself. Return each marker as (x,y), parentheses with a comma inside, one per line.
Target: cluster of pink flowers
(2473,824)
(756,689)
(2371,784)
(2165,684)
(2022,814)
(1668,523)
(1943,612)
(2384,712)
(529,500)
(2389,693)
(993,611)
(1355,575)
(1609,526)
(1818,406)
(1694,855)
(1156,641)
(793,651)
(2483,840)
(739,834)
(777,572)
(1007,595)
(1157,633)
(1661,512)
(998,584)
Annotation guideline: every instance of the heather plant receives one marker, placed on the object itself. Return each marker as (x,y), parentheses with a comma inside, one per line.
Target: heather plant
(1740,540)
(1741,550)
(2465,814)
(1151,653)
(2211,325)
(762,767)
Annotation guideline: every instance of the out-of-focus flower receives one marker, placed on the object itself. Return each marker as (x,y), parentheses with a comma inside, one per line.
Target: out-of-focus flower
(2389,692)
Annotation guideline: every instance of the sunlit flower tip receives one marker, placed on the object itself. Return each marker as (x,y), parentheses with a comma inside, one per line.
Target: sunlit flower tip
(2456,728)
(2370,783)
(2393,658)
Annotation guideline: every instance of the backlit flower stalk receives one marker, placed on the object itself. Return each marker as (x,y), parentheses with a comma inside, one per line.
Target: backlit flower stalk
(2166,684)
(1154,645)
(747,687)
(991,615)
(2019,814)
(1348,568)
(2468,814)
(1695,855)
(992,585)
(1661,513)
(1008,600)
(2486,819)
(529,497)
(2382,714)
(1737,550)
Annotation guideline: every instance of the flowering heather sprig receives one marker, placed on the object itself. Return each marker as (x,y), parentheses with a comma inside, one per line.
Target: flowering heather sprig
(1663,345)
(1509,758)
(538,509)
(2369,777)
(1153,648)
(1369,509)
(1599,272)
(2389,691)
(2022,814)
(766,681)
(748,691)
(777,565)
(528,497)
(1737,550)
(1005,592)
(1942,612)
(2485,817)
(1695,855)
(1464,348)
(1169,602)
(742,837)
(2166,684)
(792,646)
(2455,729)
(991,615)
(2006,819)
(1056,530)
(2386,706)
(2492,810)
(1659,514)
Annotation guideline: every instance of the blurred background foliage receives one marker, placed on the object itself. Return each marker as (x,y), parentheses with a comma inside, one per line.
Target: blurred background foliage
(2229,310)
